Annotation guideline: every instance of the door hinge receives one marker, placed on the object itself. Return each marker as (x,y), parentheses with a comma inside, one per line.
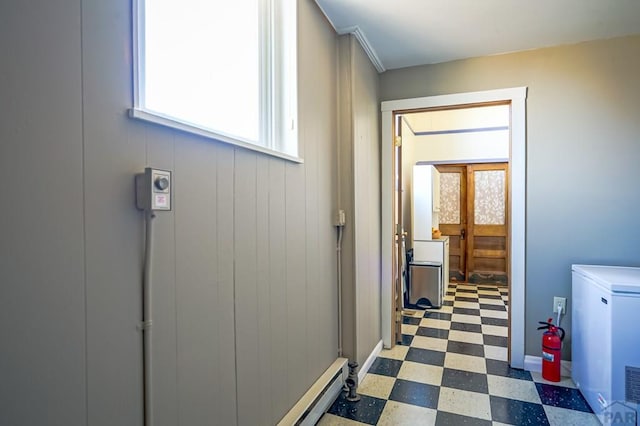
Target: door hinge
(398,141)
(398,316)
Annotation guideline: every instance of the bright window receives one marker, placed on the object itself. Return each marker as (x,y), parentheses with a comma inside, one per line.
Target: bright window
(221,69)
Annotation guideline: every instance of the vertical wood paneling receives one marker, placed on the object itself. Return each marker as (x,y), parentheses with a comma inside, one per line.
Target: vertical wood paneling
(225,307)
(346,196)
(313,280)
(265,412)
(42,293)
(327,334)
(308,140)
(296,279)
(246,281)
(361,223)
(323,133)
(367,198)
(199,389)
(160,154)
(359,195)
(278,298)
(244,286)
(375,200)
(114,151)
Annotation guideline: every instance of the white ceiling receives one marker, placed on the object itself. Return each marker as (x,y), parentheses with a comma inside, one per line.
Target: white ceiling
(403,33)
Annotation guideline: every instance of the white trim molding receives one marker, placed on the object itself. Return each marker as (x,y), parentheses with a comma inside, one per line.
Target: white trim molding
(517,196)
(174,123)
(534,363)
(319,397)
(360,36)
(364,42)
(364,368)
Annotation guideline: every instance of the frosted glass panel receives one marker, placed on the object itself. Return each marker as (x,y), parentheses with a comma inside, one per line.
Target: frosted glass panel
(450,198)
(489,197)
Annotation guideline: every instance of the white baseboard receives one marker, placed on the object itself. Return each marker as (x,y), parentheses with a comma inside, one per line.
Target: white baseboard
(534,363)
(319,397)
(364,369)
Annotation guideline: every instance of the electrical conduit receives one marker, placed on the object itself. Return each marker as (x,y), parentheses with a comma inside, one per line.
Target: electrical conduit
(147,318)
(339,256)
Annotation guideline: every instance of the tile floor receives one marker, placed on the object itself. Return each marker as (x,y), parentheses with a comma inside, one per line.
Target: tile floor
(452,370)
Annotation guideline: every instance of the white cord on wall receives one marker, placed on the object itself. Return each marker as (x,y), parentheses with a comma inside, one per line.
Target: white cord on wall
(147,317)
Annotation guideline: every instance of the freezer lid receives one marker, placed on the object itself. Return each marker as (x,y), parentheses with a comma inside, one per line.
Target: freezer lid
(613,278)
(428,250)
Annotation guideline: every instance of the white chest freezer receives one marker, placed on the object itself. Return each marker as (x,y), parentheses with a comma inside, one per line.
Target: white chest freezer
(605,338)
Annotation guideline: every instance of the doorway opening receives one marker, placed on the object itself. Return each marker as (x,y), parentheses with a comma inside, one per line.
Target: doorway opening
(392,234)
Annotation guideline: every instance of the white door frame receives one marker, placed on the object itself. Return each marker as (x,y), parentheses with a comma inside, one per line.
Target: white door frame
(517,195)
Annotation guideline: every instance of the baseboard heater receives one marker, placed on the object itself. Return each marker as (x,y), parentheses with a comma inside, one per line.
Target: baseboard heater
(319,397)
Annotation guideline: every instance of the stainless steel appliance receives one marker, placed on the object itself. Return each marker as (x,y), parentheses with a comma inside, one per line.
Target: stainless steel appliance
(426,289)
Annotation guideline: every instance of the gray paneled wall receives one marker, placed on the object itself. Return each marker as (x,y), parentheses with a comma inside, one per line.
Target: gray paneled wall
(346,199)
(42,293)
(366,141)
(582,153)
(359,194)
(245,288)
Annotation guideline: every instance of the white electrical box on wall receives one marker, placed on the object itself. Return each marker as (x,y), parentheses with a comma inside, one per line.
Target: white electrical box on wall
(153,189)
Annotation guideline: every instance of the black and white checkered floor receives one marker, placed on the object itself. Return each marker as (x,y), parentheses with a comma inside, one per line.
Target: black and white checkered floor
(452,370)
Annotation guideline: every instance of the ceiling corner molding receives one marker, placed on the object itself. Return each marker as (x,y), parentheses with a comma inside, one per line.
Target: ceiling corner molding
(326,15)
(364,42)
(359,35)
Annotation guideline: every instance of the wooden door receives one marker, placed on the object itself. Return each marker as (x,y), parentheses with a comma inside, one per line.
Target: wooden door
(453,217)
(487,213)
(473,213)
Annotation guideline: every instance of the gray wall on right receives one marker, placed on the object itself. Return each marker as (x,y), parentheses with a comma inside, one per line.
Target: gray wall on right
(583,147)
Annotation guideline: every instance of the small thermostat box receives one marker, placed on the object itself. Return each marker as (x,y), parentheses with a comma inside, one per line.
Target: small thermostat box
(153,189)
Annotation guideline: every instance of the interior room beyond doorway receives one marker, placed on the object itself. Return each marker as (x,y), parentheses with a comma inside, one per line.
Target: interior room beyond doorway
(511,101)
(516,98)
(468,148)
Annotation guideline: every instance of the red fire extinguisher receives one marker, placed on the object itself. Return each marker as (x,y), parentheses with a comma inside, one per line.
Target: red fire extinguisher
(551,345)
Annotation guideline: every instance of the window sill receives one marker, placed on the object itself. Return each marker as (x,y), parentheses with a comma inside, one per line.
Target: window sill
(155,118)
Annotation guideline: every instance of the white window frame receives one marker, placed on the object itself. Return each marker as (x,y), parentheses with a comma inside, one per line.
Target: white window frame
(278,98)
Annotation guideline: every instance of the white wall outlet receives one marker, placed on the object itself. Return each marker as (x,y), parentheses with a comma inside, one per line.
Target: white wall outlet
(562,301)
